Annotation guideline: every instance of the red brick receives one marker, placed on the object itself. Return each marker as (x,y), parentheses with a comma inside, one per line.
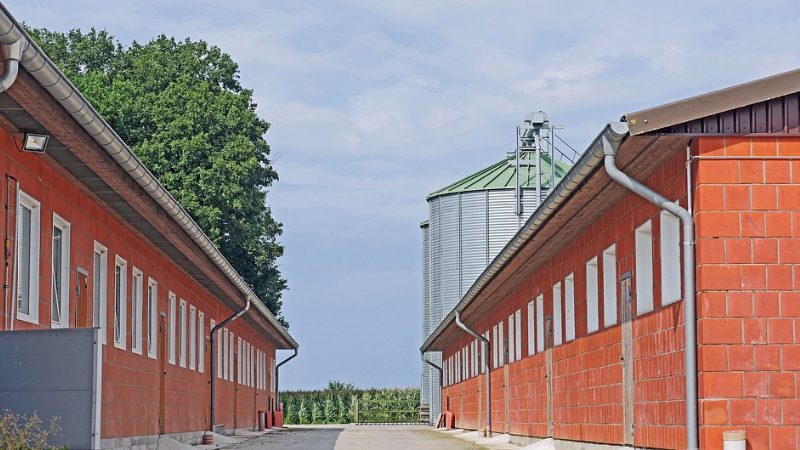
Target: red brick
(753,224)
(789,197)
(721,384)
(737,146)
(783,437)
(755,331)
(768,357)
(790,355)
(781,384)
(757,438)
(767,304)
(743,411)
(769,411)
(710,251)
(740,304)
(721,331)
(751,171)
(790,251)
(779,224)
(717,171)
(710,197)
(708,146)
(737,197)
(741,357)
(764,197)
(790,304)
(718,277)
(717,224)
(713,304)
(756,384)
(779,277)
(765,251)
(777,171)
(754,277)
(765,147)
(713,358)
(796,224)
(738,250)
(788,147)
(714,412)
(780,331)
(791,411)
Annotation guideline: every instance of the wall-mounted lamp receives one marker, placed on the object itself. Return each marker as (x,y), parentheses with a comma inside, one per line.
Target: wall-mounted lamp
(36,143)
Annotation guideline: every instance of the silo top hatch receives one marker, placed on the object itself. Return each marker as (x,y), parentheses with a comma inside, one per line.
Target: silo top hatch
(502,175)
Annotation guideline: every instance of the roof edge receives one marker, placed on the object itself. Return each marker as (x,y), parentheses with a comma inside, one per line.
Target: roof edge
(583,168)
(674,113)
(47,74)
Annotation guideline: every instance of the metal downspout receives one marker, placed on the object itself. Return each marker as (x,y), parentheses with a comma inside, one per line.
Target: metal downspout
(277,376)
(488,428)
(689,306)
(441,375)
(11,55)
(213,370)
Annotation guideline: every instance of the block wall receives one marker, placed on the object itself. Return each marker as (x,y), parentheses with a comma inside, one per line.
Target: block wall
(748,256)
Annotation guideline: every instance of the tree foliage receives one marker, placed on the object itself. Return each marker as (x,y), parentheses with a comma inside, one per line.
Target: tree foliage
(180,106)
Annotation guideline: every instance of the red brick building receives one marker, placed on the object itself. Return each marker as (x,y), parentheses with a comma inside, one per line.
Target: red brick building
(93,240)
(584,310)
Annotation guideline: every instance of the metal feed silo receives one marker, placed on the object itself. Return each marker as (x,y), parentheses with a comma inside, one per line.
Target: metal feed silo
(471,220)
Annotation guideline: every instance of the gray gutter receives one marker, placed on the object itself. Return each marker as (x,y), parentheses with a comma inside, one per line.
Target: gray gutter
(583,168)
(42,69)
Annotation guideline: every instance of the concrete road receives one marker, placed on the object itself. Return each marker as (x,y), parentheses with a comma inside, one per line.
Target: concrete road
(351,437)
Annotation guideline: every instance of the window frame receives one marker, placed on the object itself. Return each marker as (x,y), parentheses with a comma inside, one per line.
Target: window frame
(172,327)
(152,318)
(610,297)
(182,333)
(120,303)
(540,323)
(65,227)
(558,329)
(670,257)
(137,299)
(644,261)
(27,201)
(592,296)
(511,339)
(192,337)
(531,327)
(201,341)
(100,293)
(569,307)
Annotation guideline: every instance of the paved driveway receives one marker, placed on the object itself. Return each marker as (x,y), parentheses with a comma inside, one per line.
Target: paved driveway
(350,437)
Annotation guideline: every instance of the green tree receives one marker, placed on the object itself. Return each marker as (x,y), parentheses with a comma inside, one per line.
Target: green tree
(180,106)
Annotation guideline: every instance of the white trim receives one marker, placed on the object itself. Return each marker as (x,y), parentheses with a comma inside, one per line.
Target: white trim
(569,307)
(182,333)
(501,357)
(540,323)
(495,347)
(100,290)
(610,286)
(137,295)
(172,328)
(644,268)
(592,297)
(531,328)
(30,203)
(224,354)
(121,316)
(231,355)
(511,339)
(152,321)
(670,258)
(192,337)
(63,290)
(201,341)
(558,335)
(239,355)
(518,325)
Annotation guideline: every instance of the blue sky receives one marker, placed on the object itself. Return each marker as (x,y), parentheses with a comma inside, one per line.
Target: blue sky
(373,105)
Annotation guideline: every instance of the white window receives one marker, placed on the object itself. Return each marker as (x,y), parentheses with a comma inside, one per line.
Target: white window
(511,339)
(28,220)
(484,349)
(670,259)
(59,301)
(120,303)
(192,337)
(503,347)
(201,342)
(610,286)
(100,289)
(239,360)
(569,306)
(495,348)
(250,365)
(518,341)
(540,323)
(458,367)
(475,345)
(231,355)
(644,268)
(136,311)
(466,362)
(182,331)
(592,297)
(152,320)
(224,354)
(172,328)
(531,329)
(557,334)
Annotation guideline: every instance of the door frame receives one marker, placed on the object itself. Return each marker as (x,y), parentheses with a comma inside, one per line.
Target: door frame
(627,359)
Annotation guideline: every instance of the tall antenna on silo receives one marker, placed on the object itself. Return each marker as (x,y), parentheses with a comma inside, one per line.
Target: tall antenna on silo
(529,138)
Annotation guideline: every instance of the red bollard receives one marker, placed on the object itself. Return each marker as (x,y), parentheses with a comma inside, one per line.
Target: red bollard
(262,420)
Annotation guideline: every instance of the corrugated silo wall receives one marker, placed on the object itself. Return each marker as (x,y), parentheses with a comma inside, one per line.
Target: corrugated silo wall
(466,231)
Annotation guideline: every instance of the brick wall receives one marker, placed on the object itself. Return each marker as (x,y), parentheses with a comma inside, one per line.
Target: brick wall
(748,255)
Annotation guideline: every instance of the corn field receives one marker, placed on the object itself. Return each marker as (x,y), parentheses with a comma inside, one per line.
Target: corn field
(343,403)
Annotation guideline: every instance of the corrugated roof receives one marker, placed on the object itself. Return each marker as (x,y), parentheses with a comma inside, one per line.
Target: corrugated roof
(502,175)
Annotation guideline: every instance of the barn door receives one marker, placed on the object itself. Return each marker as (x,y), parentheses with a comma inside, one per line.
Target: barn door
(627,359)
(548,355)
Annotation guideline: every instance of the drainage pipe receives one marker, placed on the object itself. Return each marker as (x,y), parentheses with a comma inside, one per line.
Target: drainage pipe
(488,428)
(7,254)
(277,373)
(213,370)
(689,302)
(441,375)
(11,55)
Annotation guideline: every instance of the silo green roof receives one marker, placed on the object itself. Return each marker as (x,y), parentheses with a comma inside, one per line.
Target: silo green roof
(501,175)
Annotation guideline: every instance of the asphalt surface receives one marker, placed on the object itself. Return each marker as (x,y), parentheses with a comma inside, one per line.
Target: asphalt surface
(349,437)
